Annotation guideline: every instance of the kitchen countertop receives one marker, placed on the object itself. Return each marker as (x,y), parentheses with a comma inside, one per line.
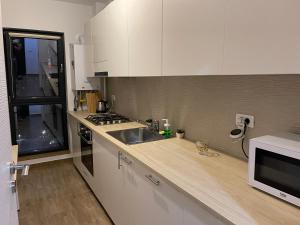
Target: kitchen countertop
(220,183)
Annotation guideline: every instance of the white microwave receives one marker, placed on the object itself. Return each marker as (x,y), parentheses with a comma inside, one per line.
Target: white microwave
(274,166)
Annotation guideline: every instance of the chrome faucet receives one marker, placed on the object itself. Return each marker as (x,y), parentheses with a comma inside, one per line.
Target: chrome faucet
(153,125)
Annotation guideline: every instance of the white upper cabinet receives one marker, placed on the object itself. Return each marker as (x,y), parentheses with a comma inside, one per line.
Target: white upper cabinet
(145,37)
(117,21)
(262,37)
(100,39)
(193,37)
(197,37)
(89,48)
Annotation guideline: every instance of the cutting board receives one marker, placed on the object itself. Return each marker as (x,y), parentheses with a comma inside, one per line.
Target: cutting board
(91,101)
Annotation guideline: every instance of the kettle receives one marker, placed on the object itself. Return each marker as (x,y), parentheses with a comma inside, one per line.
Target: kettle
(102,106)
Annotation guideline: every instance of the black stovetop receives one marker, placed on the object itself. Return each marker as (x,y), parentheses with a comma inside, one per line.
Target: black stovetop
(101,119)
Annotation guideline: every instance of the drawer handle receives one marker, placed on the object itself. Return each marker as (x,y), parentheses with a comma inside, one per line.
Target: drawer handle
(152,179)
(126,160)
(119,160)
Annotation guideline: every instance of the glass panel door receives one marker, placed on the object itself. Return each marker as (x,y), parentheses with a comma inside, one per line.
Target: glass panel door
(36,87)
(35,68)
(39,128)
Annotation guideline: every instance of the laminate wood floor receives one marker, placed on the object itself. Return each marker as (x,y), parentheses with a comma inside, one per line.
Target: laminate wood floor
(55,194)
(43,155)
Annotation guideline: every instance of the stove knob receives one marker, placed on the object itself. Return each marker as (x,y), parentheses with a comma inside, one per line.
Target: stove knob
(114,121)
(108,122)
(101,123)
(119,121)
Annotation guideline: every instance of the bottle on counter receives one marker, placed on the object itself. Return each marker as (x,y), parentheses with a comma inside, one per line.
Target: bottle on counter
(167,133)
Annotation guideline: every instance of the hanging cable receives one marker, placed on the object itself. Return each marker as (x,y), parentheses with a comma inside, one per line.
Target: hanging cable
(244,149)
(246,122)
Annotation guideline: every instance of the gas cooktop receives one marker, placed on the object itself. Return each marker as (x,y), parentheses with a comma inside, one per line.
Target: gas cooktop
(102,119)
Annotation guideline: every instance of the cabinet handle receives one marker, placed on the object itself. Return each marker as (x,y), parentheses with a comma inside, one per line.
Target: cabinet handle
(152,179)
(119,159)
(126,160)
(89,142)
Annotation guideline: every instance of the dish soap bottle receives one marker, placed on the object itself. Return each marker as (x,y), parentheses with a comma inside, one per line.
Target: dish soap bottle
(167,133)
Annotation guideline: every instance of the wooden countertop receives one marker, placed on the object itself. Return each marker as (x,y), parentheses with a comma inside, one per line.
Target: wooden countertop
(220,183)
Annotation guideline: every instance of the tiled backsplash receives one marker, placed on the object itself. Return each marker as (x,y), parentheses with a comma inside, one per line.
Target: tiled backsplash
(205,106)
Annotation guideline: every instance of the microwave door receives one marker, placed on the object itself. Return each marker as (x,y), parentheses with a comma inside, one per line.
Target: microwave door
(278,171)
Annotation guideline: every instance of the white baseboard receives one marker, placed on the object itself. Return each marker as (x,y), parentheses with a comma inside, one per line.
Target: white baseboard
(46,159)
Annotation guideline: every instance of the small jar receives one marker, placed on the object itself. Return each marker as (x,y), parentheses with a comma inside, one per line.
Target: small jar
(180,133)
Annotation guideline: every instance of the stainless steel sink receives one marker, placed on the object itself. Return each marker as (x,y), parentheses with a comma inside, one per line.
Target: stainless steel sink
(135,136)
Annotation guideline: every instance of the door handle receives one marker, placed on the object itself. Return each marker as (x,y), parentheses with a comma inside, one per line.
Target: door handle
(61,68)
(13,186)
(15,167)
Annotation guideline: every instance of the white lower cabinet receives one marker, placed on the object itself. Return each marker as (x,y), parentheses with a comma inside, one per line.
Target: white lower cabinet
(108,179)
(152,200)
(75,141)
(133,194)
(196,214)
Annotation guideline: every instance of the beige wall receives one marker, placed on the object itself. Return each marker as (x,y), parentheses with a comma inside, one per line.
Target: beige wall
(206,106)
(49,15)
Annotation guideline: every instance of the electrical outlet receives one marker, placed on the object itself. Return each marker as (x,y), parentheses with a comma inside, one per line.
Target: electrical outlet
(240,119)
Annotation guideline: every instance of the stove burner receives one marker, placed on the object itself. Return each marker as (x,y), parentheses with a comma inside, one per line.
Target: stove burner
(106,119)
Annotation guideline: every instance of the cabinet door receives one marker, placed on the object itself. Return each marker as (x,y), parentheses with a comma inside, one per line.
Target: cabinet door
(262,37)
(145,37)
(197,214)
(193,37)
(117,20)
(99,157)
(100,40)
(109,181)
(89,48)
(154,201)
(128,189)
(75,141)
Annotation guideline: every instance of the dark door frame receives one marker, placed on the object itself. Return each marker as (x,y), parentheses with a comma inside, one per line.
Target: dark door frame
(61,99)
